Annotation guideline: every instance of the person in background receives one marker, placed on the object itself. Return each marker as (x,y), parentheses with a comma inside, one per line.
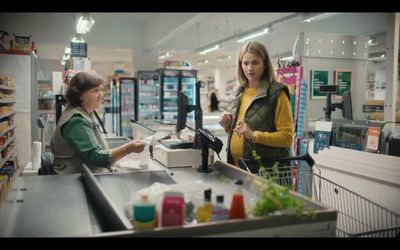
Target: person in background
(77,138)
(214,100)
(261,117)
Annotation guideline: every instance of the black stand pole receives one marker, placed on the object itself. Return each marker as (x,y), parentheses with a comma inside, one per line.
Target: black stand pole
(60,102)
(198,116)
(204,157)
(328,110)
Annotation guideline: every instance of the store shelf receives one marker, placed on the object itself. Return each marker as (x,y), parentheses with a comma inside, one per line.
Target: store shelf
(7,114)
(7,101)
(7,129)
(5,159)
(6,88)
(2,147)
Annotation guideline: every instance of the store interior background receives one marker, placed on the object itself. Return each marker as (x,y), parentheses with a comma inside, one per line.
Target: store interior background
(135,41)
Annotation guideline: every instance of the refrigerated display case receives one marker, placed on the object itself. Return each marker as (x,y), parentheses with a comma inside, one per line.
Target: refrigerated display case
(169,87)
(188,80)
(124,100)
(149,101)
(171,82)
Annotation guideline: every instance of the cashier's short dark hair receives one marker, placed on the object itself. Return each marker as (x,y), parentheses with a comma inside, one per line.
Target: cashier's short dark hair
(79,84)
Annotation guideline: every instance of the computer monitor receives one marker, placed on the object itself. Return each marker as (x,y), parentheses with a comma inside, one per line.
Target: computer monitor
(346,105)
(183,110)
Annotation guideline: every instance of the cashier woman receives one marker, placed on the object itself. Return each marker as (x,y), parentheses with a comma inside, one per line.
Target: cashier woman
(77,138)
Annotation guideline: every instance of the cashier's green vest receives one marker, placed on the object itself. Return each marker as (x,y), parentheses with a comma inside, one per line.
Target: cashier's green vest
(66,161)
(260,116)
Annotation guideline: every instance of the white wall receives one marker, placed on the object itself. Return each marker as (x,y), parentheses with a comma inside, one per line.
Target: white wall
(374,176)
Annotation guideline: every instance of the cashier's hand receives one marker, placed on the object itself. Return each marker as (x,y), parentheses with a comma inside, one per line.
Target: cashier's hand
(225,119)
(135,147)
(242,129)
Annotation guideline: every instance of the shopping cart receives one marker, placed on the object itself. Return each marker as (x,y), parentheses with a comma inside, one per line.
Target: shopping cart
(357,215)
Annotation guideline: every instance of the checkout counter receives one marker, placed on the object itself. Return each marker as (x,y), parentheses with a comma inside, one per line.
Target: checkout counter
(91,205)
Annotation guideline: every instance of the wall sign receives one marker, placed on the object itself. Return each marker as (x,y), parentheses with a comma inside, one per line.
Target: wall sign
(343,78)
(318,78)
(322,135)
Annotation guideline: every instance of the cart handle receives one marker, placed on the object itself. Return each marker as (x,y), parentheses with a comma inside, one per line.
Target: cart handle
(306,157)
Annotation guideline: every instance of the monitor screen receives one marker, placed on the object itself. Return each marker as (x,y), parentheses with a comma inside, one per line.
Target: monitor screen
(347,110)
(183,107)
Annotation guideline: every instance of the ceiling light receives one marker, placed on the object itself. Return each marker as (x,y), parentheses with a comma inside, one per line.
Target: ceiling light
(166,55)
(220,59)
(311,17)
(208,50)
(202,62)
(252,35)
(85,23)
(67,50)
(77,39)
(372,41)
(288,58)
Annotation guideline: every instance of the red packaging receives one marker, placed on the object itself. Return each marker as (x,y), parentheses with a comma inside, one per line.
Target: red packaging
(173,209)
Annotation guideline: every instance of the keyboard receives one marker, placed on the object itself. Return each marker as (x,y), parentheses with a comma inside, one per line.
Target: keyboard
(175,143)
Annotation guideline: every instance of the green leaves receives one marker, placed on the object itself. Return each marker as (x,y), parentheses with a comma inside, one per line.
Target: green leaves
(274,197)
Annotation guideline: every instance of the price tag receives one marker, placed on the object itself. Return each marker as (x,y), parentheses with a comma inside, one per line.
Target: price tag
(322,135)
(373,138)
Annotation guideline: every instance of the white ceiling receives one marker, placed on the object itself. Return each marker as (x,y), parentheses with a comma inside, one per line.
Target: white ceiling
(118,37)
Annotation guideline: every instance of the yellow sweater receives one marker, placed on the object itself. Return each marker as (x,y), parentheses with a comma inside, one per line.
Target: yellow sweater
(283,137)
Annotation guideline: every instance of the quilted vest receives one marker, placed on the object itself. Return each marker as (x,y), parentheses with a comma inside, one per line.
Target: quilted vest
(66,161)
(259,116)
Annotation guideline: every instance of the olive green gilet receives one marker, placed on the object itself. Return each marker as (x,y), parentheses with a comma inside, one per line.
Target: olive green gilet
(66,161)
(259,116)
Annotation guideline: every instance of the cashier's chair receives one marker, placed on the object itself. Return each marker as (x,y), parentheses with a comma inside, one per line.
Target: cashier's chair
(46,158)
(46,164)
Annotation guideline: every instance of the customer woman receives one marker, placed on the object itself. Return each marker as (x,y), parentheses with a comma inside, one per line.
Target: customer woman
(261,118)
(77,138)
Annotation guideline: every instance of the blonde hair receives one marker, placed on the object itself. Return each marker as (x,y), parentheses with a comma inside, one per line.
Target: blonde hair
(258,49)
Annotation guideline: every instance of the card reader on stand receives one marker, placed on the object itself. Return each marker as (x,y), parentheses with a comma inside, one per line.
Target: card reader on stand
(175,152)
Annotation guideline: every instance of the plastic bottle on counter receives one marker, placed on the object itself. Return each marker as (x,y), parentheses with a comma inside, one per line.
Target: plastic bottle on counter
(204,211)
(144,213)
(173,209)
(237,210)
(219,212)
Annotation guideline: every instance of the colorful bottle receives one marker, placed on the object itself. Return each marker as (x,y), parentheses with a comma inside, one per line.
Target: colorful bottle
(237,210)
(173,209)
(144,213)
(204,211)
(219,211)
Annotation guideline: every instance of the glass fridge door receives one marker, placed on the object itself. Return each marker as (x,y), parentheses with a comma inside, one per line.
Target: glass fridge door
(127,105)
(169,94)
(148,95)
(188,87)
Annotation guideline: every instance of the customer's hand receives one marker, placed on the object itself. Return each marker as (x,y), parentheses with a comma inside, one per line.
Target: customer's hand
(242,129)
(135,146)
(225,119)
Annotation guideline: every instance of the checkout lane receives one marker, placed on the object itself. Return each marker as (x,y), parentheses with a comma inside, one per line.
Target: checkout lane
(65,205)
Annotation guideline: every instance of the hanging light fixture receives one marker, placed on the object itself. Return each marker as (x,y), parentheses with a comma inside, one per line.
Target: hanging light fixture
(312,17)
(165,55)
(209,49)
(253,35)
(85,23)
(77,39)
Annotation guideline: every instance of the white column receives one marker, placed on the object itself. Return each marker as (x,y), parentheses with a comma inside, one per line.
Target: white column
(392,50)
(220,79)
